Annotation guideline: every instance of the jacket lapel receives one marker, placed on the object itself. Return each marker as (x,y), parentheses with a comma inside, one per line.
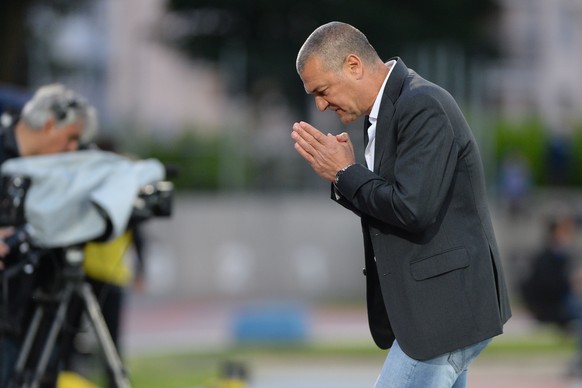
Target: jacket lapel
(389,98)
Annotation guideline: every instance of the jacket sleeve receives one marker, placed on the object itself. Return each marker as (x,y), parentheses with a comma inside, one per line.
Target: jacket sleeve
(424,167)
(336,196)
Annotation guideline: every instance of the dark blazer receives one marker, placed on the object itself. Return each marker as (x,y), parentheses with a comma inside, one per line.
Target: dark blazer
(434,275)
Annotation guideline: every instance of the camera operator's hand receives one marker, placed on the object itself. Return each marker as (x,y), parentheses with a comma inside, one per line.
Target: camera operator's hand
(4,249)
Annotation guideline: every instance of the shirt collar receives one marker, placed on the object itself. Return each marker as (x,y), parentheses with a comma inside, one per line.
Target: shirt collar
(376,107)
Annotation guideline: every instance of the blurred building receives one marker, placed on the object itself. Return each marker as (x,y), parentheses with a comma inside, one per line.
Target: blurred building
(540,73)
(152,85)
(112,52)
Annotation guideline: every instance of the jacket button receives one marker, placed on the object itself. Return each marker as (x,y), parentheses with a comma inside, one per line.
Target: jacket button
(364,271)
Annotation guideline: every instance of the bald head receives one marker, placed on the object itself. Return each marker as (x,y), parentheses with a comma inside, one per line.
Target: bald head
(332,43)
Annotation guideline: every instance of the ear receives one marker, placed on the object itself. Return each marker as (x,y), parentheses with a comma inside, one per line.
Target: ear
(354,66)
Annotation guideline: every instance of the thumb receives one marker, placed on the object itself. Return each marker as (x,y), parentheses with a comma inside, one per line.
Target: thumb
(343,137)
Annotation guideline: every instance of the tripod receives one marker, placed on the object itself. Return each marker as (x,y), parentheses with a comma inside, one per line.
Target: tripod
(30,370)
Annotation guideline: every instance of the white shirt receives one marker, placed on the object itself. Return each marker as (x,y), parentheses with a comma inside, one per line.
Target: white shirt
(373,118)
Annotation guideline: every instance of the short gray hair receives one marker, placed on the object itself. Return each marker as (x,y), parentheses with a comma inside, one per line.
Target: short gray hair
(63,105)
(333,42)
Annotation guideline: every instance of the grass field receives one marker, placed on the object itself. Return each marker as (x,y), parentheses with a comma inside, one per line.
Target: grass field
(206,370)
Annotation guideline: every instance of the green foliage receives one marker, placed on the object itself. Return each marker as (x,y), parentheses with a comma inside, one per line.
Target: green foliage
(528,140)
(204,162)
(223,162)
(177,370)
(195,157)
(553,159)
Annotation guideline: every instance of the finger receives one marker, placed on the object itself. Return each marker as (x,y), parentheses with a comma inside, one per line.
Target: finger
(343,137)
(300,132)
(306,142)
(312,132)
(306,155)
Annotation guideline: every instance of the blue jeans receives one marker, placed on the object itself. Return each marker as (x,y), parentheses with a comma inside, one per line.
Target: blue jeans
(446,371)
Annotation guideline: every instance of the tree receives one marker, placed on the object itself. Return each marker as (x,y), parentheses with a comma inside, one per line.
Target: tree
(13,66)
(263,36)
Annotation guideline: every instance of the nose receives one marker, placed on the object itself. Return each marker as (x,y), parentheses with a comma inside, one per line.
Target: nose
(321,103)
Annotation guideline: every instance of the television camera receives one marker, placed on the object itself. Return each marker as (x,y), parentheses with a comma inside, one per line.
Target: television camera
(58,203)
(152,200)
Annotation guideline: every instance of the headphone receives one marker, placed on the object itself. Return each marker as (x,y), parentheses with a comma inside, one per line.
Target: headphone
(61,111)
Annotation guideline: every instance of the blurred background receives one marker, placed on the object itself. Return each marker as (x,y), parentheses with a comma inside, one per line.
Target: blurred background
(255,253)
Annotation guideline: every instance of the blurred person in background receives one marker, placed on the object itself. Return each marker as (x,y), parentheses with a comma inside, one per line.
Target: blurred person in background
(552,289)
(515,183)
(54,120)
(435,286)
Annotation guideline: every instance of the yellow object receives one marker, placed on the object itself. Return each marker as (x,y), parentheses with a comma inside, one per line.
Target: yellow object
(73,380)
(232,383)
(105,261)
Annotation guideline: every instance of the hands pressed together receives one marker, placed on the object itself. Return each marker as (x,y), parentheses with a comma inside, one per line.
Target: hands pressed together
(327,154)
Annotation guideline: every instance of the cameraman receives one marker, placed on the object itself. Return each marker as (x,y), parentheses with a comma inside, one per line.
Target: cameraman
(54,120)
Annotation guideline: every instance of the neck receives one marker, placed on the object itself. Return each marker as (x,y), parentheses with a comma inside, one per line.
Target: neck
(379,74)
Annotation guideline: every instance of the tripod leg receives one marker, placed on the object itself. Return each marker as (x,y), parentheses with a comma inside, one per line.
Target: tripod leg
(56,326)
(24,354)
(112,357)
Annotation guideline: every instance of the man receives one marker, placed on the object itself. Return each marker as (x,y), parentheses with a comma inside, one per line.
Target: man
(551,291)
(54,120)
(435,288)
